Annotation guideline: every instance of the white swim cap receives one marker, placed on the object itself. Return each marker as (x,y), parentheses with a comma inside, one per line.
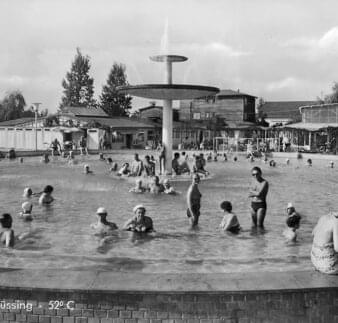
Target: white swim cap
(139,206)
(289,205)
(101,210)
(27,206)
(27,192)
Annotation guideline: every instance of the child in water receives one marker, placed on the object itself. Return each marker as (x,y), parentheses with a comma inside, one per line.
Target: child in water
(7,233)
(26,213)
(292,222)
(138,188)
(46,196)
(230,221)
(86,169)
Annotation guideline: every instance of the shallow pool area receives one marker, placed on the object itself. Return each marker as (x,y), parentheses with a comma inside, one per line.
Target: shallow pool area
(61,236)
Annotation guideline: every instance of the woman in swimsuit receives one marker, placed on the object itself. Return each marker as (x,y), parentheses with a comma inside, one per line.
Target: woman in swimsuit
(258,193)
(194,200)
(324,253)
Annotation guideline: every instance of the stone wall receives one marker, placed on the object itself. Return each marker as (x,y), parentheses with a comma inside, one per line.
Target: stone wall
(312,305)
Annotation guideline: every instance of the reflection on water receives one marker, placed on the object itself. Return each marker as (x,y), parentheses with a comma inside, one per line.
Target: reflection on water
(60,236)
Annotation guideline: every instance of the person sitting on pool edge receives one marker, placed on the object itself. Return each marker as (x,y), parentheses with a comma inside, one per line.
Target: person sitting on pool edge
(7,233)
(230,221)
(103,226)
(139,222)
(292,222)
(46,197)
(258,192)
(26,213)
(138,188)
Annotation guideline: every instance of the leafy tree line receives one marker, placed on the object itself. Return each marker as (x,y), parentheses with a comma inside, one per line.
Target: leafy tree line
(78,88)
(12,106)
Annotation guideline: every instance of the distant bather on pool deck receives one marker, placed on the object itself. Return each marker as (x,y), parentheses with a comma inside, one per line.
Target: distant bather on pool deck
(324,253)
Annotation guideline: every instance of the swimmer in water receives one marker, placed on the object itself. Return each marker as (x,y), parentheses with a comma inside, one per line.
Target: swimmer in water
(168,189)
(140,222)
(138,188)
(194,200)
(155,187)
(230,221)
(21,160)
(287,161)
(272,163)
(309,162)
(103,227)
(86,169)
(46,196)
(7,233)
(235,159)
(258,193)
(225,157)
(27,193)
(292,222)
(45,159)
(124,170)
(101,157)
(26,213)
(331,164)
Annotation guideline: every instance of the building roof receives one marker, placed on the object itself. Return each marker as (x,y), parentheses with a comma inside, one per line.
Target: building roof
(310,126)
(225,93)
(242,125)
(85,112)
(283,109)
(17,122)
(119,122)
(153,107)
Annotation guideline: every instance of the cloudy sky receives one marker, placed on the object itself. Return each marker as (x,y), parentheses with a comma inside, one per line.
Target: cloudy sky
(278,50)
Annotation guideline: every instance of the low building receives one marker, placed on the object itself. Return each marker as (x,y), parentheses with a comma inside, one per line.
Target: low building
(318,129)
(282,112)
(100,130)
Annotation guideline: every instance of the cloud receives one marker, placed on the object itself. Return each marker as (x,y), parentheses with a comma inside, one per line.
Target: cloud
(286,83)
(315,48)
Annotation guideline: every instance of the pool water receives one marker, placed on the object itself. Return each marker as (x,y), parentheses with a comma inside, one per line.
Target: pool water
(61,236)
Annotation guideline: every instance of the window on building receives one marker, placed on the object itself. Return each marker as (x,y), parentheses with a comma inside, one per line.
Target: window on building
(117,137)
(196,115)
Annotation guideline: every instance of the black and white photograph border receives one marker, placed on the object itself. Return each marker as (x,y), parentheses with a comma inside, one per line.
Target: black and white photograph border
(168,161)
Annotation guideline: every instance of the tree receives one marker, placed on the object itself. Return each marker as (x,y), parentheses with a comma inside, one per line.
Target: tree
(333,97)
(78,85)
(112,102)
(12,106)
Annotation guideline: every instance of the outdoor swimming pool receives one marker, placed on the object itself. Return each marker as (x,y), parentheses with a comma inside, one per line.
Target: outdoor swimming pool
(62,237)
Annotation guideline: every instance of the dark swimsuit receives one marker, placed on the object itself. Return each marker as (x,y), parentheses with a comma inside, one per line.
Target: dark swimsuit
(258,205)
(293,221)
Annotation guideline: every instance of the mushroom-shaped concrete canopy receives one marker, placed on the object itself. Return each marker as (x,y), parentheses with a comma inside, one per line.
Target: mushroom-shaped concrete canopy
(168,91)
(168,58)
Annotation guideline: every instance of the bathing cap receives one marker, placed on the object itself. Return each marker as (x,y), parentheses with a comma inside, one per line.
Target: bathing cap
(27,192)
(27,206)
(101,210)
(289,205)
(139,206)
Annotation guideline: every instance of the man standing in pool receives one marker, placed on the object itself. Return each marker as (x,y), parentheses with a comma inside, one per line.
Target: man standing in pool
(194,200)
(258,193)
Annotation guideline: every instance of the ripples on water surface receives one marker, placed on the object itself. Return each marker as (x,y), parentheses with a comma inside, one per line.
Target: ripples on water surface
(61,236)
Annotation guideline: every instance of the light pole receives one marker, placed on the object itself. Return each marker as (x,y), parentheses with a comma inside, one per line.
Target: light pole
(35,108)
